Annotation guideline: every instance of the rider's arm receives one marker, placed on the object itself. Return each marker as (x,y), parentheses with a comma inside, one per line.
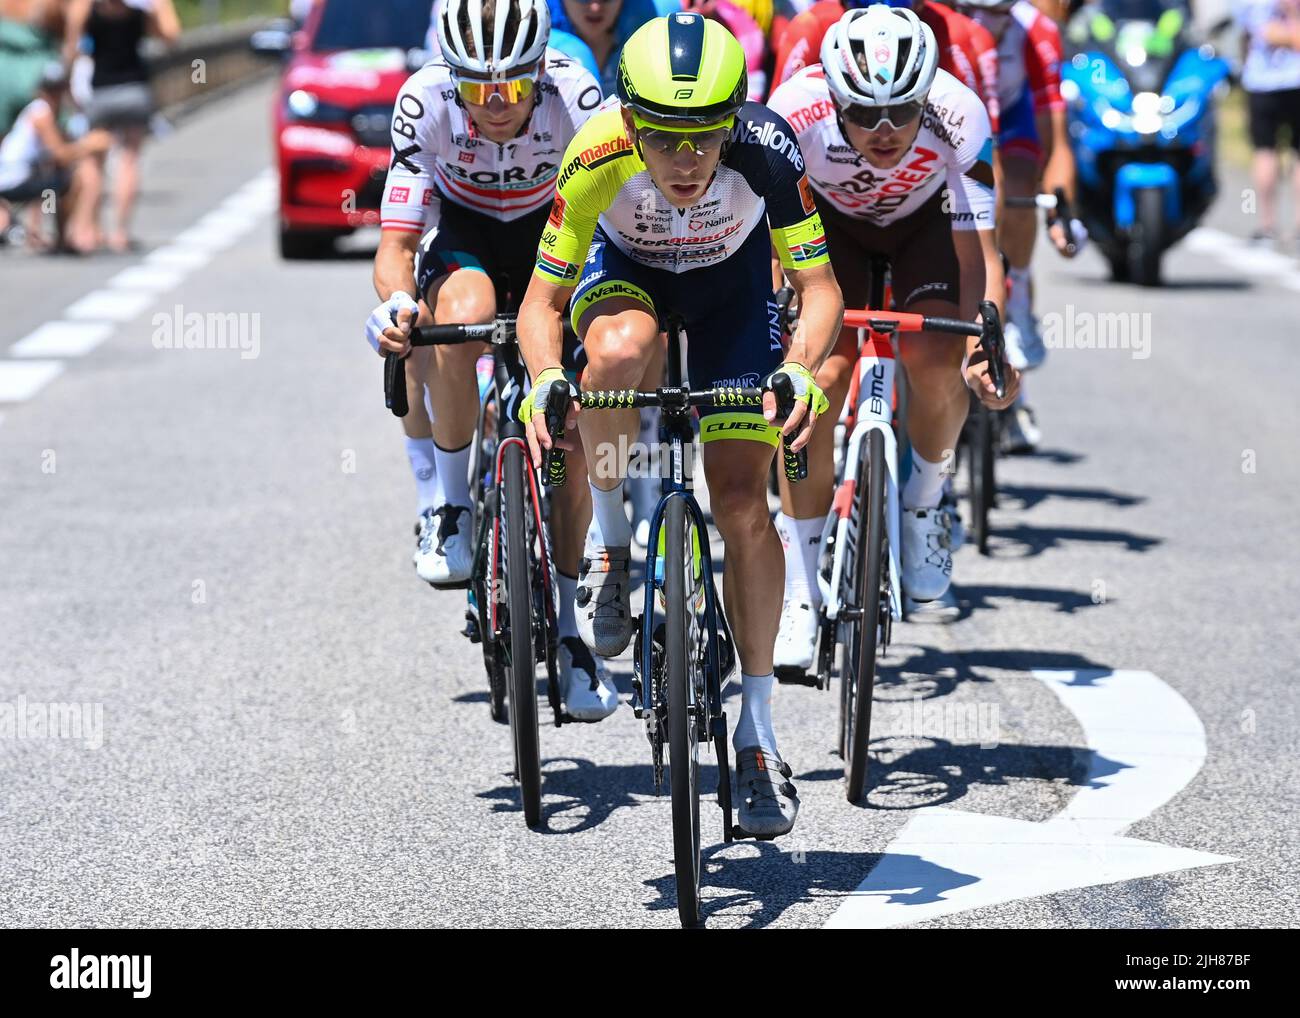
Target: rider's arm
(821,311)
(395,263)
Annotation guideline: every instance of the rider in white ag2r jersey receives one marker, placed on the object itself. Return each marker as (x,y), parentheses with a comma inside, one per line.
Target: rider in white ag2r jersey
(899,153)
(477,135)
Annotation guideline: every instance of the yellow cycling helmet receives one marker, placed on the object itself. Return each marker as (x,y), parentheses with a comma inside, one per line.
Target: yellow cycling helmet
(683,70)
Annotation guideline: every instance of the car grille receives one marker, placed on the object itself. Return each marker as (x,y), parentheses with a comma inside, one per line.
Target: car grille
(371,126)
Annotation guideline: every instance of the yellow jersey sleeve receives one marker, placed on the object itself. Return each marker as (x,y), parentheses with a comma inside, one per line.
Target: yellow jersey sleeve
(598,161)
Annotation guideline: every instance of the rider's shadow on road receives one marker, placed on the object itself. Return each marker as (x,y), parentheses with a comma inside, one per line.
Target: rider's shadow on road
(588,793)
(1023,541)
(1028,496)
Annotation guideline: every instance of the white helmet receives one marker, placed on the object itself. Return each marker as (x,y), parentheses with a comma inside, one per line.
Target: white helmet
(897,48)
(504,53)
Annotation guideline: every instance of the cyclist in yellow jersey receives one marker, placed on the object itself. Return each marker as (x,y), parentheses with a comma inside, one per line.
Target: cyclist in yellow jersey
(670,201)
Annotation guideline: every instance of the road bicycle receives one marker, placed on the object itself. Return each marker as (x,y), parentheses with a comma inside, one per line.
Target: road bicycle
(860,575)
(512,587)
(681,661)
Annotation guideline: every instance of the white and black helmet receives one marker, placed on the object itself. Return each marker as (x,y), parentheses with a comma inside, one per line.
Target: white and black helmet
(897,48)
(504,52)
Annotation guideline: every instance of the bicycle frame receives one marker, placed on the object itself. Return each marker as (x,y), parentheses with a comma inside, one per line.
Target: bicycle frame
(871,395)
(675,429)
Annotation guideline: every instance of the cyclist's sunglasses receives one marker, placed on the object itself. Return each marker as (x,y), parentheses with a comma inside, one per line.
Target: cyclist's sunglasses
(477,92)
(871,117)
(667,141)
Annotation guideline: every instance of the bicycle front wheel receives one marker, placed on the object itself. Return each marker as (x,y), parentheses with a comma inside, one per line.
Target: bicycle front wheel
(867,575)
(682,691)
(516,574)
(979,462)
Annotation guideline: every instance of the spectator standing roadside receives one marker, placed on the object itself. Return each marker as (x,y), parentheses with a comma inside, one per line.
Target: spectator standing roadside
(121,102)
(1271,78)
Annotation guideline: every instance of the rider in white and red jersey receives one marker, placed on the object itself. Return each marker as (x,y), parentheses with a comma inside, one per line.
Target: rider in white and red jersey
(1035,154)
(478,138)
(900,157)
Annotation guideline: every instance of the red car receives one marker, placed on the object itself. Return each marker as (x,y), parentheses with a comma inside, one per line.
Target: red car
(332,114)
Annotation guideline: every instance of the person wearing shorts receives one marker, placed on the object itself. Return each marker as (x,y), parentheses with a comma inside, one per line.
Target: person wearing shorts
(899,153)
(1271,78)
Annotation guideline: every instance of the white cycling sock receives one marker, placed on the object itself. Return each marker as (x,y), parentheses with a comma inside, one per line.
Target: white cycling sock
(801,540)
(925,486)
(609,525)
(453,474)
(566,618)
(422,454)
(754,728)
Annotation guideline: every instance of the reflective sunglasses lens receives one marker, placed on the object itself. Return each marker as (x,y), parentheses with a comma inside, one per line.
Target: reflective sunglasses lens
(477,93)
(669,142)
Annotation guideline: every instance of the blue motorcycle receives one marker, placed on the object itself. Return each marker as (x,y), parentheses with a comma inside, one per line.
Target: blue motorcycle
(1142,95)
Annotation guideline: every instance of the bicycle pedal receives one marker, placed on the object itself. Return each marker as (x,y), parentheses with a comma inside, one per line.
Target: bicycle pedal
(791,676)
(471,628)
(453,585)
(738,832)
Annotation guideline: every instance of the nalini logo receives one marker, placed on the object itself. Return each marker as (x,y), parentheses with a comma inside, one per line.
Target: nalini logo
(73,971)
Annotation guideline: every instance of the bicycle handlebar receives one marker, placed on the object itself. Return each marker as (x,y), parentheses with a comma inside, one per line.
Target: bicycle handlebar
(796,463)
(1057,207)
(988,329)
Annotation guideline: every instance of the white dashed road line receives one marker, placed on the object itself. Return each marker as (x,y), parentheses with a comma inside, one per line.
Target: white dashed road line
(90,321)
(20,380)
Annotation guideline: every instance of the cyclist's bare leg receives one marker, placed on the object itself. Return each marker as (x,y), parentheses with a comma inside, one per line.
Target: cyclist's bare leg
(812,496)
(619,336)
(939,398)
(1017,228)
(571,513)
(465,296)
(754,567)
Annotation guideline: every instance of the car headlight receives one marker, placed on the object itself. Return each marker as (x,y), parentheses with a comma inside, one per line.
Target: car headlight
(302,104)
(306,106)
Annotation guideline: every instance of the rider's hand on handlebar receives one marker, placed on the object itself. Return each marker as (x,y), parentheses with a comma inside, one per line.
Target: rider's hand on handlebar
(1063,237)
(388,329)
(980,382)
(532,411)
(809,403)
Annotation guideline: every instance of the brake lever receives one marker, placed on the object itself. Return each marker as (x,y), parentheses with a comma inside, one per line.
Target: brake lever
(395,384)
(992,344)
(795,463)
(554,467)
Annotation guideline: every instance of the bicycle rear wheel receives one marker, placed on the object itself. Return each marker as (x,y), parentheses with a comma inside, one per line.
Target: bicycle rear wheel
(867,575)
(682,688)
(516,574)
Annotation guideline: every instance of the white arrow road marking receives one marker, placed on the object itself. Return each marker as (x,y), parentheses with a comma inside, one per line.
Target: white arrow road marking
(1147,743)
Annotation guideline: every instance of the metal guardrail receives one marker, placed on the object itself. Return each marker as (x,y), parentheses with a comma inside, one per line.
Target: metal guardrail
(226,59)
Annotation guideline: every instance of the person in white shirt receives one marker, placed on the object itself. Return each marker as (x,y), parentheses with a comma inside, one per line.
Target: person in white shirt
(38,162)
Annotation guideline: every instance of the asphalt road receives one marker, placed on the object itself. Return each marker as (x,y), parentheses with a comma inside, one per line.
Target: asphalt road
(212,550)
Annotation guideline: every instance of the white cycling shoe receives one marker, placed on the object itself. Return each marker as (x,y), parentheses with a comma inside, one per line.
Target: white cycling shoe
(589,693)
(927,553)
(444,556)
(796,637)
